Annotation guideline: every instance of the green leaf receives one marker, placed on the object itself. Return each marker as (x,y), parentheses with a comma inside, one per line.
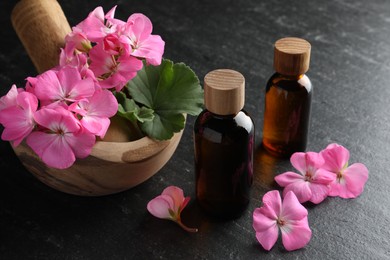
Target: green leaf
(127,108)
(164,125)
(170,90)
(145,114)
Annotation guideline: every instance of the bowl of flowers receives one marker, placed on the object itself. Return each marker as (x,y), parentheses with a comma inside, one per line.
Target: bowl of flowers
(109,115)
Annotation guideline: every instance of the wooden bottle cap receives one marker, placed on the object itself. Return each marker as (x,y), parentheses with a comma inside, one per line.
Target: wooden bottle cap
(292,56)
(41,26)
(224,91)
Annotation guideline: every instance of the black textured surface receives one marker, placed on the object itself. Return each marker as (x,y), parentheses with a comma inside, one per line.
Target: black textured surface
(350,71)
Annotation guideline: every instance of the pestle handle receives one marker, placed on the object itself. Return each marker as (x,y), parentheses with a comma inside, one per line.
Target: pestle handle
(41,26)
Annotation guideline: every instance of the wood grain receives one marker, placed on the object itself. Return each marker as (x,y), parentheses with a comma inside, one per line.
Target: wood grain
(112,167)
(41,26)
(292,56)
(224,91)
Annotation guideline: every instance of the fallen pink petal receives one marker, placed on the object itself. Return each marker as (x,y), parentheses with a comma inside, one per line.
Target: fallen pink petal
(311,183)
(289,216)
(350,180)
(169,205)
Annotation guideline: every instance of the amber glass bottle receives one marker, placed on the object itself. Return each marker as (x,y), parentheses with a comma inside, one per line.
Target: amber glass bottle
(223,142)
(288,99)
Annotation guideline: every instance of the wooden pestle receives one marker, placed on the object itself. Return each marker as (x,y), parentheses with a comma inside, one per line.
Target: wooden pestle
(41,26)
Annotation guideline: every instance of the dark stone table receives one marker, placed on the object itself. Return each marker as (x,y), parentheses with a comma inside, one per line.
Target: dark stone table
(350,69)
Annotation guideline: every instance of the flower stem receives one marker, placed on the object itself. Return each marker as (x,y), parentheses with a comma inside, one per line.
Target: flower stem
(188,229)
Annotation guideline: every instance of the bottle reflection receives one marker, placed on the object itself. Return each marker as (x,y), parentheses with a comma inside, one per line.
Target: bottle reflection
(266,167)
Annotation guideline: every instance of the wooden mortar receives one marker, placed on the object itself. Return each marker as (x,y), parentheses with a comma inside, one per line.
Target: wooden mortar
(114,165)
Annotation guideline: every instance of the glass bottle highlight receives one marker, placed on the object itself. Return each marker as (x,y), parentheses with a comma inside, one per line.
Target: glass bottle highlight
(224,141)
(288,99)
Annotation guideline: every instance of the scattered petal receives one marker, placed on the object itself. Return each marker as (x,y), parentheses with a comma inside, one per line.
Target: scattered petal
(349,181)
(290,218)
(169,205)
(312,182)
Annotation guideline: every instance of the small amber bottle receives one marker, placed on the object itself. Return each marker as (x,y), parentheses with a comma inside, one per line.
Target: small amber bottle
(223,143)
(288,99)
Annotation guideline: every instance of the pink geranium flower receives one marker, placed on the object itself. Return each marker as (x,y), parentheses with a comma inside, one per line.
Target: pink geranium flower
(113,72)
(61,139)
(78,40)
(94,26)
(312,182)
(138,30)
(17,117)
(79,60)
(349,181)
(96,111)
(65,85)
(169,205)
(290,217)
(113,46)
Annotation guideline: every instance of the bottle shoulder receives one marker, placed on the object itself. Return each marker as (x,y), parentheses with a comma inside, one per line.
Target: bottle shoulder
(290,83)
(221,124)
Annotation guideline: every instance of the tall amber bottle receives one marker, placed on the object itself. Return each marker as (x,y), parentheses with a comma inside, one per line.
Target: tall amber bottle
(223,142)
(288,99)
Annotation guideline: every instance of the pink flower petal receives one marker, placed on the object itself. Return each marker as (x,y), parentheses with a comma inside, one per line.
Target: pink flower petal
(287,178)
(110,14)
(301,190)
(266,228)
(57,119)
(9,99)
(338,188)
(296,234)
(356,177)
(268,238)
(152,49)
(292,209)
(314,160)
(176,194)
(68,78)
(319,192)
(103,104)
(48,87)
(18,120)
(93,26)
(274,201)
(141,26)
(81,143)
(298,161)
(96,125)
(126,69)
(263,218)
(352,182)
(145,45)
(292,221)
(336,157)
(159,206)
(62,142)
(185,202)
(322,176)
(52,149)
(16,125)
(101,61)
(81,89)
